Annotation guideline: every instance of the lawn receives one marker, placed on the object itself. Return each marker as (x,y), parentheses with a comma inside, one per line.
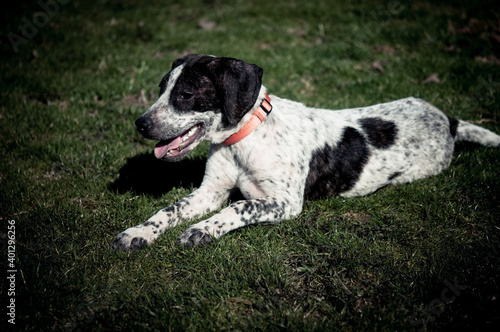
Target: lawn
(74,172)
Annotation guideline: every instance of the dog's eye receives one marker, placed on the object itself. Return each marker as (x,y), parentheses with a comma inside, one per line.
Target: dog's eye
(187,95)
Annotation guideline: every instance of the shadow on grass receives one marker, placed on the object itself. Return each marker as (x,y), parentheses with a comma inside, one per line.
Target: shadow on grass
(464,146)
(144,174)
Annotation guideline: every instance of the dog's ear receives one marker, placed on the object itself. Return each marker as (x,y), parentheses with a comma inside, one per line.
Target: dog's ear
(238,85)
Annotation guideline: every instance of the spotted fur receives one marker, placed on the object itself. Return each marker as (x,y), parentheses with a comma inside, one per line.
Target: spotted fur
(297,153)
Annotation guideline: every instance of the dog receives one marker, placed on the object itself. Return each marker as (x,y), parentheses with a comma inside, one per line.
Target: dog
(279,152)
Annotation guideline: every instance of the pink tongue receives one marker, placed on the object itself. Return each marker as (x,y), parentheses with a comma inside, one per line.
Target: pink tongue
(162,148)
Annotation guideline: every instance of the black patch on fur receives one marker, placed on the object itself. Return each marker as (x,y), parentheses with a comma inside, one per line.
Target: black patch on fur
(334,170)
(175,64)
(138,243)
(381,134)
(194,237)
(252,210)
(209,83)
(394,175)
(453,126)
(194,89)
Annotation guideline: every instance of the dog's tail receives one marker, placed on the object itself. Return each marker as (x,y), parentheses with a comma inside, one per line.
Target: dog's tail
(465,131)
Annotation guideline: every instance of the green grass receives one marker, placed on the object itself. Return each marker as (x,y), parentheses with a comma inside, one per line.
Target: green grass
(74,172)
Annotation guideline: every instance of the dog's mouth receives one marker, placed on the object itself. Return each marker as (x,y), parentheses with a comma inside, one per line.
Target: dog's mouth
(175,148)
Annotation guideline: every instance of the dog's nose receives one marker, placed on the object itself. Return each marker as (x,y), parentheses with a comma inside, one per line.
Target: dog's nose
(143,124)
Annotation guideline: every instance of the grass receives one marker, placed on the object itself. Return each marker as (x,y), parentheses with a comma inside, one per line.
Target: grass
(74,172)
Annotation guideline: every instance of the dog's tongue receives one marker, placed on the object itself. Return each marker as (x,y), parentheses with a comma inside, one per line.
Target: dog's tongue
(162,148)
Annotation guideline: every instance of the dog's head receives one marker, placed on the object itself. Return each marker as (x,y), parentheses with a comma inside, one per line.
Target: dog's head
(200,97)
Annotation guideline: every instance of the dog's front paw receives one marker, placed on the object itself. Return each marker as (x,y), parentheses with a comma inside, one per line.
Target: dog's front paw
(194,236)
(134,238)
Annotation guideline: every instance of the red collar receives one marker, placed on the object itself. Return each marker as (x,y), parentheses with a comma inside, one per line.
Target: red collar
(257,118)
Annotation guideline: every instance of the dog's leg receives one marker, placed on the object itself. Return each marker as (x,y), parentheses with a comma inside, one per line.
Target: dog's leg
(198,203)
(239,214)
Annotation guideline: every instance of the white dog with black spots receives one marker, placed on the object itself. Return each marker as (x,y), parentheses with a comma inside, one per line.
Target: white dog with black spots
(279,152)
